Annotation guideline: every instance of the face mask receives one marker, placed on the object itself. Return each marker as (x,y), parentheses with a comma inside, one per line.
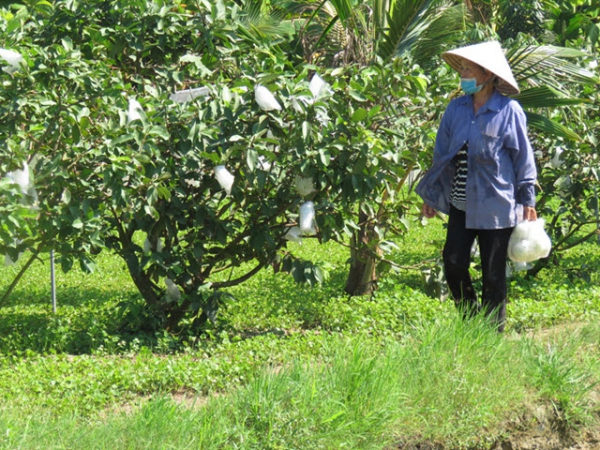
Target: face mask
(469,86)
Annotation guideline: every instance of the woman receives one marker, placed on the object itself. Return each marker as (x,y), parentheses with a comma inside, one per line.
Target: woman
(483,167)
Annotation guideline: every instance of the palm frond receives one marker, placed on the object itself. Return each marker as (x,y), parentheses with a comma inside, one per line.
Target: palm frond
(445,30)
(327,27)
(380,11)
(547,66)
(409,22)
(343,8)
(327,30)
(545,97)
(262,21)
(546,125)
(403,22)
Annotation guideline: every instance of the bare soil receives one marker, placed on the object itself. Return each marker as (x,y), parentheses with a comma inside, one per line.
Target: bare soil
(543,429)
(544,433)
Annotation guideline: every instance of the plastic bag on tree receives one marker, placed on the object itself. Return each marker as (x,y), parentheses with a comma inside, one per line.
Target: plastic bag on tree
(134,110)
(529,242)
(265,99)
(225,178)
(307,218)
(12,58)
(294,234)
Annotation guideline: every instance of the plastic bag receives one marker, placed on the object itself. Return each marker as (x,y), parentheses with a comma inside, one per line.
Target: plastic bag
(529,242)
(225,178)
(265,99)
(307,218)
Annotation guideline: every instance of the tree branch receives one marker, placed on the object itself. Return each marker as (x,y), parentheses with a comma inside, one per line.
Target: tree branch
(236,281)
(20,275)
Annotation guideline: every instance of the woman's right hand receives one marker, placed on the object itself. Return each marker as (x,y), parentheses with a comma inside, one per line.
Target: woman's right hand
(427,211)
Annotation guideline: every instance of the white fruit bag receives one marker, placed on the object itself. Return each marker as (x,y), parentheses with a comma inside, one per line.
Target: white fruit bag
(12,58)
(307,218)
(265,99)
(294,234)
(225,178)
(529,242)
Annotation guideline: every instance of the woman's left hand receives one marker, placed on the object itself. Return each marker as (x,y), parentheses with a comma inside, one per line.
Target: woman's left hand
(529,213)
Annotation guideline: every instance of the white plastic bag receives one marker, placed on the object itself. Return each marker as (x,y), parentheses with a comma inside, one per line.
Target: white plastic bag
(265,99)
(307,218)
(134,110)
(529,242)
(12,58)
(188,95)
(294,234)
(318,86)
(225,178)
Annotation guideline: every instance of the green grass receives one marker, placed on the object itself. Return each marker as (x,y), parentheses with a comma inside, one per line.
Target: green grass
(448,382)
(289,366)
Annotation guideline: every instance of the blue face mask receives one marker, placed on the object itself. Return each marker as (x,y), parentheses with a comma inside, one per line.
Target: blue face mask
(469,86)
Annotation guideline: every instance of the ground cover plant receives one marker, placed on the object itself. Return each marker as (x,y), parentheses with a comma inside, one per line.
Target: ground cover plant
(289,366)
(165,347)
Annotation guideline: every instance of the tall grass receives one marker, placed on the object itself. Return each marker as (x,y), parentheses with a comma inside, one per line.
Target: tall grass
(452,382)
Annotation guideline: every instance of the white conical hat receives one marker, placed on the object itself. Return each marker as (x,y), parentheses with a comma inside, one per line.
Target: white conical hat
(490,56)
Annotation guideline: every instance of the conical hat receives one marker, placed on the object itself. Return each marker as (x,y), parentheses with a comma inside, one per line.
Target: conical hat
(490,56)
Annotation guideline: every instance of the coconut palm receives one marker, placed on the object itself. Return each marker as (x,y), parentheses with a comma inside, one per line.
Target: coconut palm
(545,74)
(264,22)
(357,31)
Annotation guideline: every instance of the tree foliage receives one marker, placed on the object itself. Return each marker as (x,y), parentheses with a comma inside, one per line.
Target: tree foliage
(119,164)
(144,186)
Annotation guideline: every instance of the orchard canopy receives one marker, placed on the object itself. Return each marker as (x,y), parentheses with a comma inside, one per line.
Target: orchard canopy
(199,145)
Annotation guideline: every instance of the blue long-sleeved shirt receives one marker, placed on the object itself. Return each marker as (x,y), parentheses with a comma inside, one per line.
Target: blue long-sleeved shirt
(501,165)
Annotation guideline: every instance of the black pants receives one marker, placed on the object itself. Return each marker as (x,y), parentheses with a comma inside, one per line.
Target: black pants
(493,246)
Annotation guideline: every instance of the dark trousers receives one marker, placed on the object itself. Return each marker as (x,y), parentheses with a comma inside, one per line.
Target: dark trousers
(493,247)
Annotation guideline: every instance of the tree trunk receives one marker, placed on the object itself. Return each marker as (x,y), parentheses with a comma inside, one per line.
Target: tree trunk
(172,313)
(142,282)
(481,10)
(362,277)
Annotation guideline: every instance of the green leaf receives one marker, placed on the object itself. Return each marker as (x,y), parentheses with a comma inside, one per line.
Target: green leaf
(359,115)
(306,130)
(122,139)
(87,265)
(152,195)
(251,159)
(374,111)
(160,132)
(197,61)
(357,95)
(164,193)
(96,240)
(337,72)
(546,125)
(66,196)
(13,24)
(67,43)
(324,157)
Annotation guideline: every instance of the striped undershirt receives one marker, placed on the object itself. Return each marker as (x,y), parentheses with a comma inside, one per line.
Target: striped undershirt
(458,194)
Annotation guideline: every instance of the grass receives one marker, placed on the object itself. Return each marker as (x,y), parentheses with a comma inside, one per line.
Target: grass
(448,382)
(288,366)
